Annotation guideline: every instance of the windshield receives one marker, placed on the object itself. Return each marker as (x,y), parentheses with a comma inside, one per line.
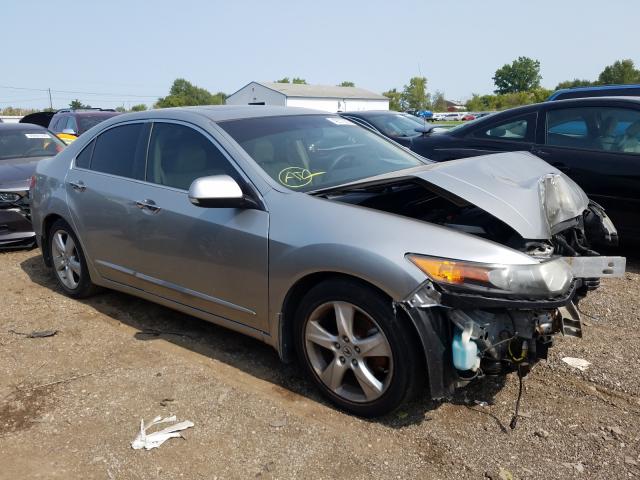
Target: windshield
(310,152)
(21,143)
(396,125)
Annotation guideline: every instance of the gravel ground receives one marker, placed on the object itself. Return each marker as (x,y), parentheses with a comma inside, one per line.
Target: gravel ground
(71,404)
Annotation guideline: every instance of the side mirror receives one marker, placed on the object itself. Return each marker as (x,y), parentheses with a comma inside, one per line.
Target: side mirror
(70,131)
(219,191)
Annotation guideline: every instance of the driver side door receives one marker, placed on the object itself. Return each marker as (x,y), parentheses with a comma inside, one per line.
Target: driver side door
(211,259)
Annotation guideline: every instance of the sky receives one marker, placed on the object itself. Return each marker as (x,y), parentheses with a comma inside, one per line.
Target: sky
(116,52)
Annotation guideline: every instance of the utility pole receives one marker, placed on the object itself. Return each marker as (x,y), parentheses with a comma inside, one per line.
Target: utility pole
(50,101)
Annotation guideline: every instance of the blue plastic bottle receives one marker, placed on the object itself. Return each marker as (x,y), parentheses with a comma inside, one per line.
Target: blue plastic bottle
(465,351)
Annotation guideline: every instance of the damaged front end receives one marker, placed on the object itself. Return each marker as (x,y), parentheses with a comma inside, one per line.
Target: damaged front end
(476,319)
(480,319)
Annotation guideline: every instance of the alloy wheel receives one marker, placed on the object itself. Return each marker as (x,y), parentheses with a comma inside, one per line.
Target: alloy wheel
(348,351)
(66,260)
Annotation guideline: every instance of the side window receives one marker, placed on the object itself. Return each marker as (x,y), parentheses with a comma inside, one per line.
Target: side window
(121,151)
(178,155)
(83,160)
(515,129)
(594,128)
(59,124)
(71,124)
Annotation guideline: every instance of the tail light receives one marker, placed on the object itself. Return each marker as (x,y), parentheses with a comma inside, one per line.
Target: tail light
(32,183)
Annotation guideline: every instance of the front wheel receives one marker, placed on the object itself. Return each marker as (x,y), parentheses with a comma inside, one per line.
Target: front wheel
(69,263)
(356,351)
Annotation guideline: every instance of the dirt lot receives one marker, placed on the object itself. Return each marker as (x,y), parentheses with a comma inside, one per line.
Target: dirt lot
(71,404)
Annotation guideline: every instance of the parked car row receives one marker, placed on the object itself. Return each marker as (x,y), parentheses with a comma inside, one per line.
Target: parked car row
(379,269)
(22,145)
(68,123)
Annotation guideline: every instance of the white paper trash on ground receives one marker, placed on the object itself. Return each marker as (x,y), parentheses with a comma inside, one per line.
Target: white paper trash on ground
(155,439)
(579,363)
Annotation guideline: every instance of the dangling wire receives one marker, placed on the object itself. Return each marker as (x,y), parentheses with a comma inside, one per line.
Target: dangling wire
(514,420)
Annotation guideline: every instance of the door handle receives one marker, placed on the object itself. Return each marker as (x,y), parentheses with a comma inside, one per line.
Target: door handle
(149,205)
(78,186)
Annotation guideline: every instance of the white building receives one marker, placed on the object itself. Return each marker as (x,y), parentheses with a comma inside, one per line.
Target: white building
(318,97)
(10,118)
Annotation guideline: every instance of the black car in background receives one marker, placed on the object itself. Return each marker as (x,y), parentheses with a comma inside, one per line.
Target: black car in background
(595,141)
(596,91)
(398,126)
(22,146)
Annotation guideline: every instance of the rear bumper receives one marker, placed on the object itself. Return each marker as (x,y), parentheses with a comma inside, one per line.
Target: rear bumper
(15,229)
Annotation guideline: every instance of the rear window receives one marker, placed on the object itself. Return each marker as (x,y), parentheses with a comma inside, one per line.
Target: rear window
(121,151)
(88,121)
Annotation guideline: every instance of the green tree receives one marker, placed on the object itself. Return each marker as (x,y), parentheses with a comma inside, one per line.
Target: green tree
(121,109)
(395,99)
(183,93)
(481,103)
(576,82)
(347,84)
(141,107)
(414,95)
(521,76)
(77,105)
(283,80)
(438,102)
(620,72)
(299,81)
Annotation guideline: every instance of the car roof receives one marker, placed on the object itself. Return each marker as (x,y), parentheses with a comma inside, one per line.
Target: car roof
(591,88)
(217,113)
(373,113)
(570,101)
(21,126)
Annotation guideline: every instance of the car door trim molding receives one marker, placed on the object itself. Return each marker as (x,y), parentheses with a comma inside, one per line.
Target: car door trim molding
(173,286)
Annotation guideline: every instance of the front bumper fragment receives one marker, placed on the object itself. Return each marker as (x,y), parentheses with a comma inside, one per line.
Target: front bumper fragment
(15,228)
(596,267)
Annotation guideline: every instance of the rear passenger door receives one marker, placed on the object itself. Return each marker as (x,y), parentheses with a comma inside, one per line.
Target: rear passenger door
(99,186)
(599,148)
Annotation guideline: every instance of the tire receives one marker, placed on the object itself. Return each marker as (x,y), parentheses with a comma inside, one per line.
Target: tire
(69,263)
(372,371)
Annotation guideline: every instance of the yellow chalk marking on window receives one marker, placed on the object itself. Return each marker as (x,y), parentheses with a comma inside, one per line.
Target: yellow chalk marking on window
(296,177)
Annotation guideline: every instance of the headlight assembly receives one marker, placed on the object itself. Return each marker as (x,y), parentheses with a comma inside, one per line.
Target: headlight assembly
(544,279)
(9,197)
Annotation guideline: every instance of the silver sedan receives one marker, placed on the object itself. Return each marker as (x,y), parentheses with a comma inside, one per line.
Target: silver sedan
(380,270)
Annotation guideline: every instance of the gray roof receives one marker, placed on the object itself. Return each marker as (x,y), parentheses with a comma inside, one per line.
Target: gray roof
(321,91)
(216,113)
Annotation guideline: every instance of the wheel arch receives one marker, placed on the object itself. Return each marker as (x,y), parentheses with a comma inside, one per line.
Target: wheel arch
(294,296)
(47,223)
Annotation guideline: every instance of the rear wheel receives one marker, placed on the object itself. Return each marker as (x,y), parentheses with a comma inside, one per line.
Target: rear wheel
(68,260)
(351,344)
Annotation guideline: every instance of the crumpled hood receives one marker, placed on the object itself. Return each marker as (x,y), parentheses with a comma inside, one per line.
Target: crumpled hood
(15,173)
(507,185)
